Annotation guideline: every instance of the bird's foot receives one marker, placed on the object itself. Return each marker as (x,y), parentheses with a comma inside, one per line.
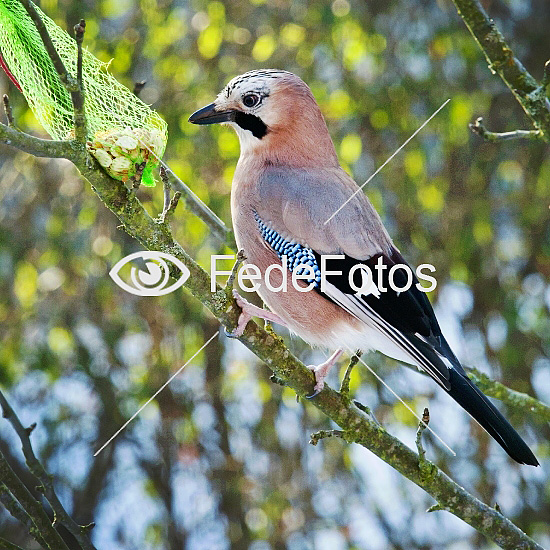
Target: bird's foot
(248,311)
(321,371)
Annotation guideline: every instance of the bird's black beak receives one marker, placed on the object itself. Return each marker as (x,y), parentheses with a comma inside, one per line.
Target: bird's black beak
(209,115)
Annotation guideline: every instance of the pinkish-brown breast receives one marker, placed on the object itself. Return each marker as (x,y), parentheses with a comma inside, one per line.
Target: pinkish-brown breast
(310,315)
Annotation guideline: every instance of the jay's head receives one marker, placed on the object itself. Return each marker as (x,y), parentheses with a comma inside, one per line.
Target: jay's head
(271,110)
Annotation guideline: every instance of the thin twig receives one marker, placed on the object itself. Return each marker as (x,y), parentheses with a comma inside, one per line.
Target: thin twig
(35,466)
(68,81)
(8,111)
(71,84)
(241,257)
(478,128)
(79,29)
(427,469)
(527,91)
(195,205)
(166,187)
(136,178)
(16,510)
(314,438)
(78,99)
(344,386)
(42,526)
(172,205)
(7,545)
(422,425)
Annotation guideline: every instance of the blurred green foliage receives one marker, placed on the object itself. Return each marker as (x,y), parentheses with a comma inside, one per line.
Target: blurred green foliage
(221,459)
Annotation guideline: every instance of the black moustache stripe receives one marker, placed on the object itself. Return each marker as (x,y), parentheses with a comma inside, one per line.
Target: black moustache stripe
(251,122)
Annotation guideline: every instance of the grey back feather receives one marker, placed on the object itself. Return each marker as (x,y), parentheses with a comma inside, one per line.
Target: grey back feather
(297,202)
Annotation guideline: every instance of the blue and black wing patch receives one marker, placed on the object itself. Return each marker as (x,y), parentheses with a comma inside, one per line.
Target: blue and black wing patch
(296,254)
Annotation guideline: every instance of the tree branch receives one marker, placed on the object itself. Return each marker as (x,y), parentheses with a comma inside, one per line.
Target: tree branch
(7,545)
(530,94)
(17,511)
(72,85)
(68,81)
(80,125)
(41,529)
(37,147)
(515,399)
(479,128)
(60,514)
(7,110)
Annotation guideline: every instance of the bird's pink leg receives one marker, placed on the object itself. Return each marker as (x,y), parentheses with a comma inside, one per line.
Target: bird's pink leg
(321,371)
(250,310)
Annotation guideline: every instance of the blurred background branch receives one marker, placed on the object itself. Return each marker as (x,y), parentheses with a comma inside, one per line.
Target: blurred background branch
(28,510)
(519,401)
(43,478)
(530,94)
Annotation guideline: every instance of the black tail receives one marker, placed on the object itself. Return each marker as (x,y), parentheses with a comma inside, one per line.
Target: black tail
(469,397)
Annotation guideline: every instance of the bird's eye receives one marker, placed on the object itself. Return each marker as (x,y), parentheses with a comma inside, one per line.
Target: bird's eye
(251,100)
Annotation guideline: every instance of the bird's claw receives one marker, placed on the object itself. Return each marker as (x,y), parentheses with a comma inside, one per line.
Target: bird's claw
(321,371)
(244,317)
(314,394)
(230,334)
(319,381)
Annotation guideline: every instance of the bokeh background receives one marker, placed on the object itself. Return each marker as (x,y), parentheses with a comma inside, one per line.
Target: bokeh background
(221,458)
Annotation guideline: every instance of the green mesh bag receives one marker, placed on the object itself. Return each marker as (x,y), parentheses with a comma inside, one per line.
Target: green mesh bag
(122,130)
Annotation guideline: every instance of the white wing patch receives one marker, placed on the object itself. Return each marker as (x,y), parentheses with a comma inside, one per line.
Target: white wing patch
(355,305)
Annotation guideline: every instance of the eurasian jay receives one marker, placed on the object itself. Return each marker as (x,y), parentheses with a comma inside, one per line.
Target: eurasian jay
(287,184)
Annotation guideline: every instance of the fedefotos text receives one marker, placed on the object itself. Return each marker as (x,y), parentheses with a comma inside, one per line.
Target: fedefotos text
(370,283)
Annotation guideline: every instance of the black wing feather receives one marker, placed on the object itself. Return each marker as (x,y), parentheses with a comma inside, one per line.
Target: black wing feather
(408,319)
